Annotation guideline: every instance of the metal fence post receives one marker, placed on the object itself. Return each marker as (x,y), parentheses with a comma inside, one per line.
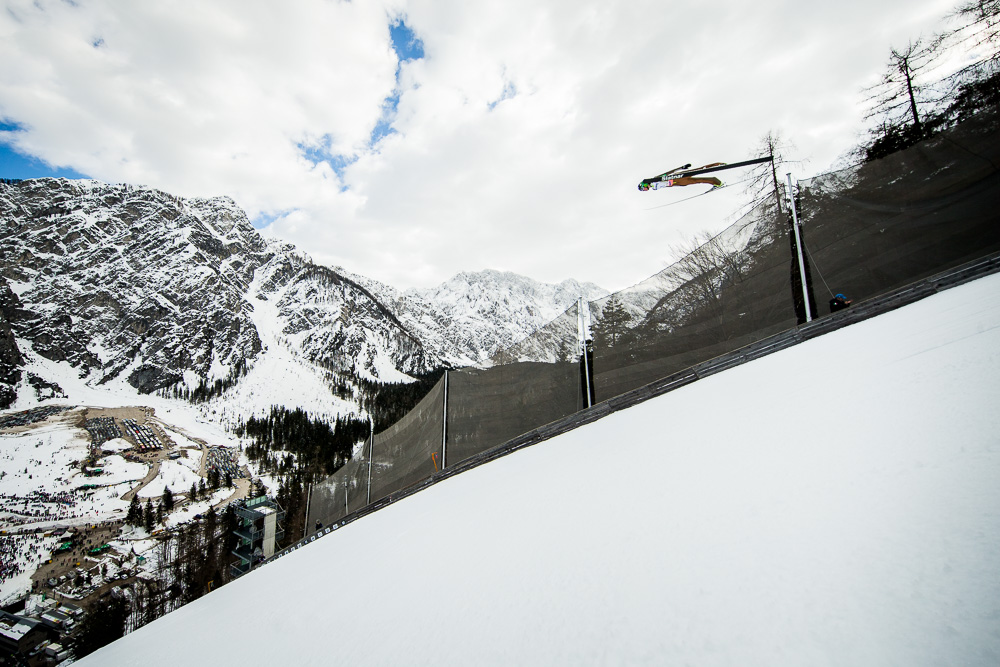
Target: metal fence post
(371,456)
(582,331)
(305,528)
(444,425)
(798,247)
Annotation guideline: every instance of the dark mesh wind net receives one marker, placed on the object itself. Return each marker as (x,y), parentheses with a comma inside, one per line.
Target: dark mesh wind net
(410,450)
(356,473)
(728,292)
(530,384)
(904,217)
(866,230)
(327,501)
(341,493)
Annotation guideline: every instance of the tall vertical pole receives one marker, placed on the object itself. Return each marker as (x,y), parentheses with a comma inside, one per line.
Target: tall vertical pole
(371,456)
(798,247)
(305,528)
(444,425)
(582,340)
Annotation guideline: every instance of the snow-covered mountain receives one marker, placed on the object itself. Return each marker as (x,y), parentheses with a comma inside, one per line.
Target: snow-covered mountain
(134,286)
(123,282)
(474,314)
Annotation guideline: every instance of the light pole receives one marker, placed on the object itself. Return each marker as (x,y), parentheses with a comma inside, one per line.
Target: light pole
(798,247)
(371,455)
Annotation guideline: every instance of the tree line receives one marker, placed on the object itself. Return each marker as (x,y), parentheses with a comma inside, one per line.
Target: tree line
(287,440)
(911,101)
(299,449)
(192,559)
(206,390)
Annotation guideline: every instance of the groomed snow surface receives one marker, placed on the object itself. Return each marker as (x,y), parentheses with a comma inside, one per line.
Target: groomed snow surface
(837,503)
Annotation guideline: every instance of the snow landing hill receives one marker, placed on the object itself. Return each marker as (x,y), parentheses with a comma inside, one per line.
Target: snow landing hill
(738,536)
(131,286)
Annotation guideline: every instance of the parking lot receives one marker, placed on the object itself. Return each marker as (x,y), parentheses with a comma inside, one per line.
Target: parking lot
(144,437)
(102,429)
(32,416)
(225,460)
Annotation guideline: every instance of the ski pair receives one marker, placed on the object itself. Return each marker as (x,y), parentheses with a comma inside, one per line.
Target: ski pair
(681,176)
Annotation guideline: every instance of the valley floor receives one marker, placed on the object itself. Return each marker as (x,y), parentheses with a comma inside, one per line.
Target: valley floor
(55,508)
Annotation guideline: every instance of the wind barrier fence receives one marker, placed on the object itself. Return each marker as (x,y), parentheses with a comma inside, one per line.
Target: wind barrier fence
(865,230)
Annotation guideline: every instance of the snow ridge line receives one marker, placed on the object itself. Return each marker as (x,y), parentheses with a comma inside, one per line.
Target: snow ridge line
(887,302)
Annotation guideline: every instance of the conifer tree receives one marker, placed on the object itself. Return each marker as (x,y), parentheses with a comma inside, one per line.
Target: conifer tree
(613,323)
(149,516)
(134,516)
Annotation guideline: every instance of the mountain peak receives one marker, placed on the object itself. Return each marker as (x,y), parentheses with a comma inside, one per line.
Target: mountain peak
(137,287)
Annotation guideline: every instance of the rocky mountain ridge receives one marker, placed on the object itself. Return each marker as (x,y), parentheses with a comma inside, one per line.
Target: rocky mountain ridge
(133,285)
(471,316)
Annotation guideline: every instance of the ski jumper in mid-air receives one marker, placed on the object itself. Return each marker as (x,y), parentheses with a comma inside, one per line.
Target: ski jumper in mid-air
(679,176)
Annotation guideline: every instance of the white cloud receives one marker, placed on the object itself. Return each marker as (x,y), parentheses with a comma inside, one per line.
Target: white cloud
(519,136)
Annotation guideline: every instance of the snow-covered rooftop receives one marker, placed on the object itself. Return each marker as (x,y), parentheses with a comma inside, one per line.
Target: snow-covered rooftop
(15,627)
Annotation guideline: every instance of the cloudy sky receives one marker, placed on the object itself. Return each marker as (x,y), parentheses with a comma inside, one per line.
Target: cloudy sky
(408,140)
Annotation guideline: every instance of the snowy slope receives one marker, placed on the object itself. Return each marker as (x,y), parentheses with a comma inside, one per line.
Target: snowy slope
(283,373)
(744,521)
